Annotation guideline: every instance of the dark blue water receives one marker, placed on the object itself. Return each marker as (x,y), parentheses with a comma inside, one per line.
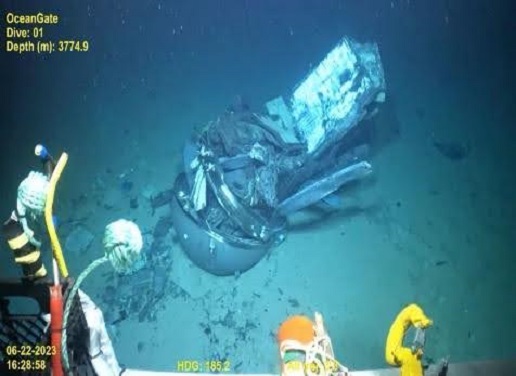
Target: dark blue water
(443,229)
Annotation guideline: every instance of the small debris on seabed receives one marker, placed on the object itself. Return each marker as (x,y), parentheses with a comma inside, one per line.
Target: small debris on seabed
(162,198)
(126,186)
(454,151)
(133,203)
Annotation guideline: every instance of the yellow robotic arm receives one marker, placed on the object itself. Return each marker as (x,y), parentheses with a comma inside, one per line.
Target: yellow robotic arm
(408,359)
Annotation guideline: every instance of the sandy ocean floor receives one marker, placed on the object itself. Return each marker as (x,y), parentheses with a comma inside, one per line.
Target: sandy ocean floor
(424,229)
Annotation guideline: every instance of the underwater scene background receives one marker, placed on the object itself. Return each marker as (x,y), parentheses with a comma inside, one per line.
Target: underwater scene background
(434,224)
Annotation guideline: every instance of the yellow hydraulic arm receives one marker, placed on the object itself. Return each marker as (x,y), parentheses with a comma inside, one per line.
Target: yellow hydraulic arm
(408,359)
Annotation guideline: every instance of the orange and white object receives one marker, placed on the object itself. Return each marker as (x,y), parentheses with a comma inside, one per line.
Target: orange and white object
(306,349)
